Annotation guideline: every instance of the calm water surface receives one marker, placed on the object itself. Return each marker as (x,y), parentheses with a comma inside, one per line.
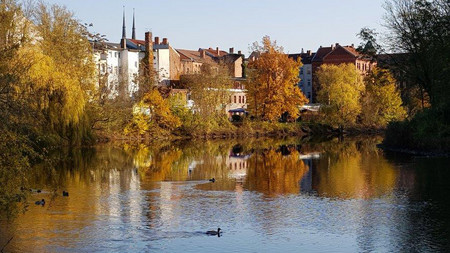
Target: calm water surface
(269,196)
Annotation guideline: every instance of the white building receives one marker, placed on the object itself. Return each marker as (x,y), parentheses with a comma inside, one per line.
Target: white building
(120,62)
(305,74)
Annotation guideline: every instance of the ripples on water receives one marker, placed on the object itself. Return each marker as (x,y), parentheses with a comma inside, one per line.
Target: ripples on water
(274,196)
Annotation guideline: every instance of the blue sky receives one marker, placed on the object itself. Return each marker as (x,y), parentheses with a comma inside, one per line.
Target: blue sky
(190,24)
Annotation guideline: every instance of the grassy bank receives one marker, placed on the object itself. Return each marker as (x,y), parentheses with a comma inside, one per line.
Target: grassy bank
(245,129)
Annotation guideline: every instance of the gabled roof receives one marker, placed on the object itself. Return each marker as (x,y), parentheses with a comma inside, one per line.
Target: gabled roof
(340,52)
(321,53)
(213,52)
(352,50)
(192,55)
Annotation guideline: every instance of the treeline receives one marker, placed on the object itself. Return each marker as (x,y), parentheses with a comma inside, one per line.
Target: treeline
(421,31)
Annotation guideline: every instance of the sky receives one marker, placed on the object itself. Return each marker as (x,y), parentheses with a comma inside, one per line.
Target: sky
(193,24)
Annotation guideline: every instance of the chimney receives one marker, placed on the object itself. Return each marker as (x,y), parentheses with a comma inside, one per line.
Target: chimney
(148,42)
(156,40)
(217,51)
(308,52)
(202,53)
(164,41)
(239,52)
(148,52)
(231,50)
(353,45)
(337,44)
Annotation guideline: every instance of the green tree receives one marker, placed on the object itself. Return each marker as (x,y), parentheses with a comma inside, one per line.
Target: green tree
(340,92)
(369,45)
(421,29)
(381,102)
(272,83)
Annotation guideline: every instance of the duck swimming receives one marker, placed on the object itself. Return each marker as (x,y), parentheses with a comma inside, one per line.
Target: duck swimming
(213,232)
(40,202)
(212,180)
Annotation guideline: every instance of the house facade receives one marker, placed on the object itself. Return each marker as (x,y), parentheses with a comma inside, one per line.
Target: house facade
(305,73)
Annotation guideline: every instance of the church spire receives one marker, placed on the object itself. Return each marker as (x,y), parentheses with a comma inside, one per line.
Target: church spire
(133,36)
(124,33)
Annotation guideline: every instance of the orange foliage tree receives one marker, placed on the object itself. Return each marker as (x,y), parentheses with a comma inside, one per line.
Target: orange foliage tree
(272,83)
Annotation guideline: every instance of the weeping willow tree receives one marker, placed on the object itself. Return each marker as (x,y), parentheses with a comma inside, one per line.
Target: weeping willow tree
(46,73)
(70,69)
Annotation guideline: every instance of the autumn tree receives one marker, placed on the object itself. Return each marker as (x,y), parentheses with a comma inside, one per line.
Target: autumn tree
(381,102)
(152,115)
(340,92)
(272,83)
(45,74)
(210,90)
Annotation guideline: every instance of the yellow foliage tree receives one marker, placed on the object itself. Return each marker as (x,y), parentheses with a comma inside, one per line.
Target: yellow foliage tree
(340,92)
(152,115)
(272,83)
(381,103)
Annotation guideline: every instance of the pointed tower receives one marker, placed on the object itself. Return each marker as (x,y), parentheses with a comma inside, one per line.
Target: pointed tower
(123,41)
(133,36)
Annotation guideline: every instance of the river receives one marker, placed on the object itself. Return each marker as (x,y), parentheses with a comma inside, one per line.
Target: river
(269,195)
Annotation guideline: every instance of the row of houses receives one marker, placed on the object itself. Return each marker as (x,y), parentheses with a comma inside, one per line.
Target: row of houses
(121,64)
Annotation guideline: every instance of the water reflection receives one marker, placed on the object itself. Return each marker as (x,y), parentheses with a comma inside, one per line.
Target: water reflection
(286,194)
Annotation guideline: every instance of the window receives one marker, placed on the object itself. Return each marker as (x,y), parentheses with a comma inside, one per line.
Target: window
(308,72)
(119,54)
(135,64)
(309,96)
(115,54)
(301,71)
(309,82)
(234,99)
(240,99)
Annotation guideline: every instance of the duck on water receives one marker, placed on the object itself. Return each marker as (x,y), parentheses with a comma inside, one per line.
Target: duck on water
(40,202)
(214,232)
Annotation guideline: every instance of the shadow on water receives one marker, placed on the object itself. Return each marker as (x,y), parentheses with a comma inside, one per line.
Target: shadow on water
(295,190)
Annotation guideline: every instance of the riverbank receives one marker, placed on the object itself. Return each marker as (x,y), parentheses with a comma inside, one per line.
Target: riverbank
(249,129)
(427,133)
